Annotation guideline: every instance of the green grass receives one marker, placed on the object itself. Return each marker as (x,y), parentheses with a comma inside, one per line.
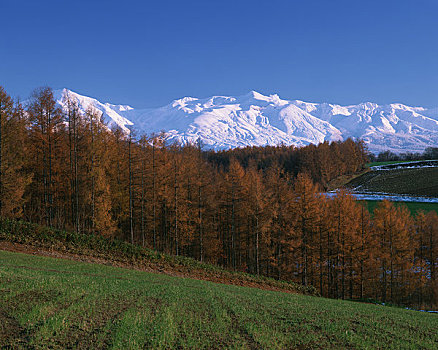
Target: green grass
(120,253)
(54,303)
(388,162)
(414,207)
(412,182)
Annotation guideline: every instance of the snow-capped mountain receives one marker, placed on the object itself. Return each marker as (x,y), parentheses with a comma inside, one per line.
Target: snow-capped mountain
(257,120)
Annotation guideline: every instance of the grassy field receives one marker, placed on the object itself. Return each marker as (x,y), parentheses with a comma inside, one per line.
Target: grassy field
(47,302)
(95,248)
(415,182)
(388,162)
(412,182)
(414,207)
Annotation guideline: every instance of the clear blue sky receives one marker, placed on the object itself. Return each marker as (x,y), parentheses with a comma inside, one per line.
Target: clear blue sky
(147,53)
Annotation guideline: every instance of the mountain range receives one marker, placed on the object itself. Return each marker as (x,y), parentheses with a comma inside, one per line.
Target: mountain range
(254,119)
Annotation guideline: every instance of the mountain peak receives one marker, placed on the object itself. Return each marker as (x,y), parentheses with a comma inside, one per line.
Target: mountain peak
(255,119)
(183,101)
(256,95)
(273,99)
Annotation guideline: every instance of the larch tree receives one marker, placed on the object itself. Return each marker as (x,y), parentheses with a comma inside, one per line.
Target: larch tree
(427,226)
(46,127)
(14,177)
(100,169)
(393,227)
(257,210)
(284,243)
(307,218)
(365,253)
(235,194)
(73,118)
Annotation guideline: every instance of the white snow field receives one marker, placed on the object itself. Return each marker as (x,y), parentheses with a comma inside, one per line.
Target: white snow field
(378,196)
(254,119)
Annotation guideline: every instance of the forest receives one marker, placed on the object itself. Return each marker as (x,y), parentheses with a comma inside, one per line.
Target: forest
(257,209)
(430,153)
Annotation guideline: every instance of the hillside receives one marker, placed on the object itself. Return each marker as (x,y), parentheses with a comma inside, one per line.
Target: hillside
(47,302)
(410,184)
(19,236)
(404,180)
(254,119)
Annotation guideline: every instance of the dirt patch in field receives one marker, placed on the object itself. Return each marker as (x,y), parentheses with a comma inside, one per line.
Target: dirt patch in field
(90,331)
(11,333)
(345,179)
(28,299)
(236,324)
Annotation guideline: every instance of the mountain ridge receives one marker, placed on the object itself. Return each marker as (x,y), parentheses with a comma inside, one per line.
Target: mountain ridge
(255,119)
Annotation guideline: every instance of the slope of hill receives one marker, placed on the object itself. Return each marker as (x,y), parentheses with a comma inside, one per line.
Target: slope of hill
(257,120)
(35,239)
(54,303)
(402,178)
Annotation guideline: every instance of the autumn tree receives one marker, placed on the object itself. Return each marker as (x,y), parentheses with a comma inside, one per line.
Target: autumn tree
(365,254)
(344,243)
(307,215)
(14,177)
(233,203)
(258,215)
(46,129)
(427,257)
(99,168)
(284,243)
(392,227)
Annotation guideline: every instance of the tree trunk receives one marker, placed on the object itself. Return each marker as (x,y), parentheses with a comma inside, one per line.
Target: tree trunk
(154,209)
(131,219)
(257,245)
(49,184)
(1,183)
(201,233)
(176,206)
(142,200)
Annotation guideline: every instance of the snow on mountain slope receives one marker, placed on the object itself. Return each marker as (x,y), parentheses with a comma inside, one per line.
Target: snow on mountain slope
(257,120)
(112,114)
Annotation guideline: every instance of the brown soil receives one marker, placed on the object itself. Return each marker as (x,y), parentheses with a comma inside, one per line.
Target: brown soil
(342,180)
(10,330)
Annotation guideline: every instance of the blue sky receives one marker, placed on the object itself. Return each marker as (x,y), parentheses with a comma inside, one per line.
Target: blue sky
(147,53)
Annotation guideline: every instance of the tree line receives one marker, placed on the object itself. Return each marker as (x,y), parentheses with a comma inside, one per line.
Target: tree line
(323,162)
(257,209)
(430,153)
